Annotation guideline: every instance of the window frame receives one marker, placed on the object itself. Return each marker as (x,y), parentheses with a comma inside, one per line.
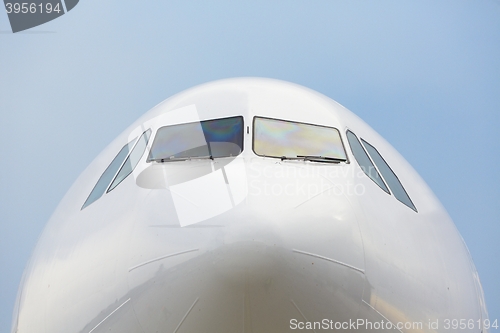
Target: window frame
(387,189)
(109,188)
(347,161)
(112,177)
(149,160)
(412,207)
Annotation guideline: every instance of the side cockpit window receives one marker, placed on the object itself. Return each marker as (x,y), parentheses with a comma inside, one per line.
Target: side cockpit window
(205,139)
(290,140)
(121,166)
(378,170)
(390,177)
(364,161)
(132,160)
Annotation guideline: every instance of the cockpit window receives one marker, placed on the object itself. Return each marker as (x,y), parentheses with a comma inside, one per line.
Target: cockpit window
(292,140)
(205,139)
(364,161)
(122,165)
(390,177)
(108,174)
(132,159)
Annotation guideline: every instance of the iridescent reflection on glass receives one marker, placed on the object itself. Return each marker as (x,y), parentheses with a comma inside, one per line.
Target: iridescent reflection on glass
(280,138)
(216,138)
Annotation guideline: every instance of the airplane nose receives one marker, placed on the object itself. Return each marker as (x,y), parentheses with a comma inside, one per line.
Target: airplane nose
(263,266)
(245,286)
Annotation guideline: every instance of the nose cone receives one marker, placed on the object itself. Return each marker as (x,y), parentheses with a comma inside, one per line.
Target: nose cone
(273,261)
(246,286)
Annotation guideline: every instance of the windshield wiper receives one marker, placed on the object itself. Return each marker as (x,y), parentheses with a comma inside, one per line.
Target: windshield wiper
(323,159)
(175,159)
(290,158)
(207,157)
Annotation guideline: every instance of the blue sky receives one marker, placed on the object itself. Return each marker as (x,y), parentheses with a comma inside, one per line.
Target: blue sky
(424,74)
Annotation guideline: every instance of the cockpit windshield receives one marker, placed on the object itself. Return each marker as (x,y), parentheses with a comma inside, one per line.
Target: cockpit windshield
(199,140)
(297,141)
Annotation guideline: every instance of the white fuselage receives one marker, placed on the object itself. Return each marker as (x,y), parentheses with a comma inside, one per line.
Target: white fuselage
(248,243)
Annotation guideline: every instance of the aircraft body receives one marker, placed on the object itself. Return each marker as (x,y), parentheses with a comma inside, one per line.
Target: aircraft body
(249,205)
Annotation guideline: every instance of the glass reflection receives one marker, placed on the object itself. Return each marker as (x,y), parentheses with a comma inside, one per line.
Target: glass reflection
(132,160)
(108,174)
(364,161)
(209,138)
(389,176)
(286,139)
